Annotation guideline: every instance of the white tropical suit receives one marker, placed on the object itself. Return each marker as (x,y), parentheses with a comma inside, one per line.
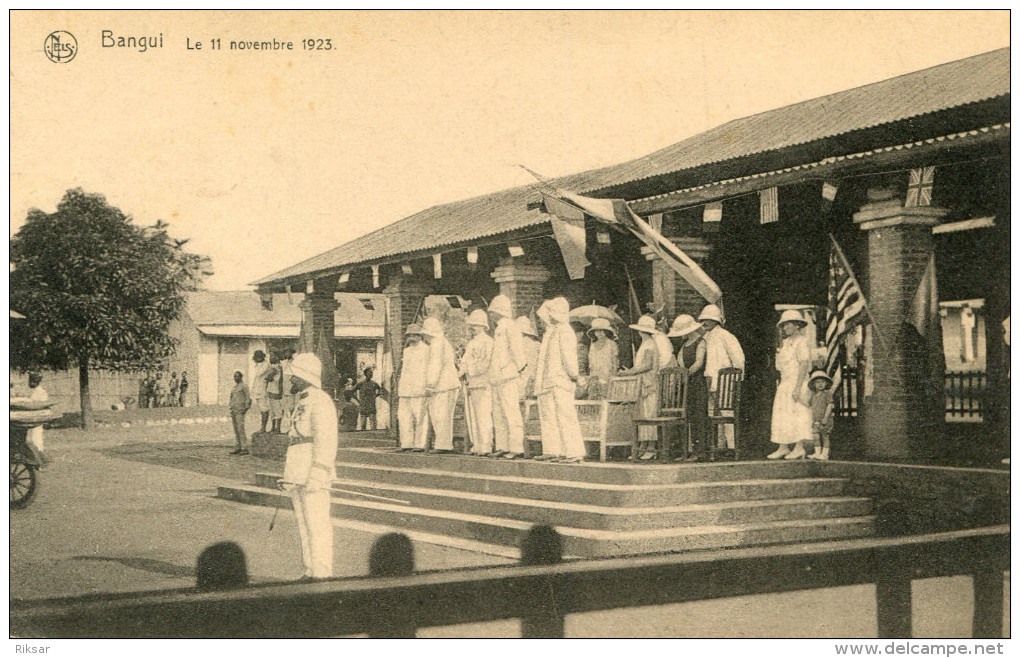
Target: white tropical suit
(475,365)
(722,351)
(509,358)
(441,387)
(554,385)
(411,404)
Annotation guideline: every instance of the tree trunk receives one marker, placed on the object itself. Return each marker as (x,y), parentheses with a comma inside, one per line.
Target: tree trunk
(84,393)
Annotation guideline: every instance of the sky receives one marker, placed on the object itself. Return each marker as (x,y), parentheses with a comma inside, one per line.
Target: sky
(266,158)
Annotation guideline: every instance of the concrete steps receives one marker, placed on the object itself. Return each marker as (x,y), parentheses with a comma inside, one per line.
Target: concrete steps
(599,509)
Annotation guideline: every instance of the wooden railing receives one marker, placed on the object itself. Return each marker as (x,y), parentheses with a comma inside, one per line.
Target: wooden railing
(847,400)
(965,394)
(541,595)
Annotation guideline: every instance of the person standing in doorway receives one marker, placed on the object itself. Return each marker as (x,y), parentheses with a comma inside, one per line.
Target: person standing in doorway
(240,403)
(791,413)
(474,369)
(368,390)
(555,383)
(183,399)
(311,465)
(257,377)
(508,360)
(723,352)
(411,414)
(441,384)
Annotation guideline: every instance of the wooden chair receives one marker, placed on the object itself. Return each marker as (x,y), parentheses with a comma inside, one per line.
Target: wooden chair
(672,413)
(726,410)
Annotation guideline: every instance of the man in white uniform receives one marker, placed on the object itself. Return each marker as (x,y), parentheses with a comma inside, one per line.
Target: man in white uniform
(411,414)
(474,368)
(555,381)
(722,350)
(441,384)
(508,360)
(257,377)
(311,464)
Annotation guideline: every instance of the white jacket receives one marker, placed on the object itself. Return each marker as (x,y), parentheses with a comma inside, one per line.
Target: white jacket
(412,371)
(508,354)
(441,369)
(477,360)
(722,351)
(557,360)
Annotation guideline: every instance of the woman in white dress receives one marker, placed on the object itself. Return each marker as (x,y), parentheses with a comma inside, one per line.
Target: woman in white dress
(791,415)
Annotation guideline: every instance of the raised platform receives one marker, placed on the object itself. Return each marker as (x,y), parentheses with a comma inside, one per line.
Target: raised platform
(599,509)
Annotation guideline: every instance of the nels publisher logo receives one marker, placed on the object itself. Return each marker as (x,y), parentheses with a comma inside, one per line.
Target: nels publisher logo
(60,46)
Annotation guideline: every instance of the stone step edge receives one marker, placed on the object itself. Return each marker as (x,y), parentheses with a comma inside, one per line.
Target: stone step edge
(583,485)
(384,488)
(568,531)
(158,422)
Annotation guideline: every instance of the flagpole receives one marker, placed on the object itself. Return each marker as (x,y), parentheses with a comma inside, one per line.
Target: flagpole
(864,301)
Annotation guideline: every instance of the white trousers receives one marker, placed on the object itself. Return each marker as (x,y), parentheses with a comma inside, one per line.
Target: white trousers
(35,436)
(506,416)
(561,431)
(311,506)
(412,414)
(440,409)
(480,419)
(648,407)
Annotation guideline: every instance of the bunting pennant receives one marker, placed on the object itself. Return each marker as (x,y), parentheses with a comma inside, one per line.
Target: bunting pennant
(768,201)
(310,287)
(616,213)
(515,249)
(406,268)
(829,190)
(922,180)
(472,255)
(603,237)
(712,212)
(568,228)
(437,266)
(344,278)
(375,276)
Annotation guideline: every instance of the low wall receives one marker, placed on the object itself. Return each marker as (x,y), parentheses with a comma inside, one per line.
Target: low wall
(912,500)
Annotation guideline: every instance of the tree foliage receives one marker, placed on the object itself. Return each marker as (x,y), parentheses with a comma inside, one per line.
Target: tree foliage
(98,290)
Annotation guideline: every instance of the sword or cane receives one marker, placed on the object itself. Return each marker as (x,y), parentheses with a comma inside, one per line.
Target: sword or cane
(468,415)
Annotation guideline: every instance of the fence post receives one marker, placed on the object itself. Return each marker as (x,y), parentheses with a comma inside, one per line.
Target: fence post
(542,545)
(392,555)
(987,603)
(892,598)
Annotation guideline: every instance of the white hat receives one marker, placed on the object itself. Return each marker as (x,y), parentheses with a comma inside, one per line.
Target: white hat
(792,316)
(559,310)
(501,304)
(602,324)
(432,327)
(683,324)
(477,318)
(645,324)
(526,326)
(711,312)
(308,367)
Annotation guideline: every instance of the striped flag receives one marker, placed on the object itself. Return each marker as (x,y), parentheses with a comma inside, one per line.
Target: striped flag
(846,309)
(616,213)
(769,205)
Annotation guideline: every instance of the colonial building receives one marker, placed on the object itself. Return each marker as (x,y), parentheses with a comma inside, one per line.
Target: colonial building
(895,172)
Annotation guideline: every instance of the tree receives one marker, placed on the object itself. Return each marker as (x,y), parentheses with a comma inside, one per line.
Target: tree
(99,291)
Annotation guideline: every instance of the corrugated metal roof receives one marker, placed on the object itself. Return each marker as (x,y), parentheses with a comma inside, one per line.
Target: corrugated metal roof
(234,308)
(942,87)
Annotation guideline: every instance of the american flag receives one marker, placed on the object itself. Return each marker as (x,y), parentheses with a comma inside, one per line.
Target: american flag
(846,309)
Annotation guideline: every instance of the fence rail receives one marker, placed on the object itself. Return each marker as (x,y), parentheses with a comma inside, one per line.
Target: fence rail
(965,394)
(541,595)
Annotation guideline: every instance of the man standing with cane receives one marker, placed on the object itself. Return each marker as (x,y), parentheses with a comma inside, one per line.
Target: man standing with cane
(508,360)
(474,367)
(311,465)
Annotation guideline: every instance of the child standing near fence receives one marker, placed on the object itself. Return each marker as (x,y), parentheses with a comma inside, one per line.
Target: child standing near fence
(821,412)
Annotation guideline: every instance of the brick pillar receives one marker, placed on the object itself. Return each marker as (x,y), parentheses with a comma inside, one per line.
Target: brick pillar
(523,284)
(403,296)
(672,291)
(318,308)
(899,420)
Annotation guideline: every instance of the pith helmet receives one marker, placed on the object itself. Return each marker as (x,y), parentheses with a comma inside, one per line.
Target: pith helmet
(432,327)
(711,312)
(501,304)
(477,318)
(683,325)
(308,367)
(645,324)
(792,316)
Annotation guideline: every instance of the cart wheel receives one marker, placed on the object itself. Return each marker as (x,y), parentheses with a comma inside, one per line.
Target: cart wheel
(24,484)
